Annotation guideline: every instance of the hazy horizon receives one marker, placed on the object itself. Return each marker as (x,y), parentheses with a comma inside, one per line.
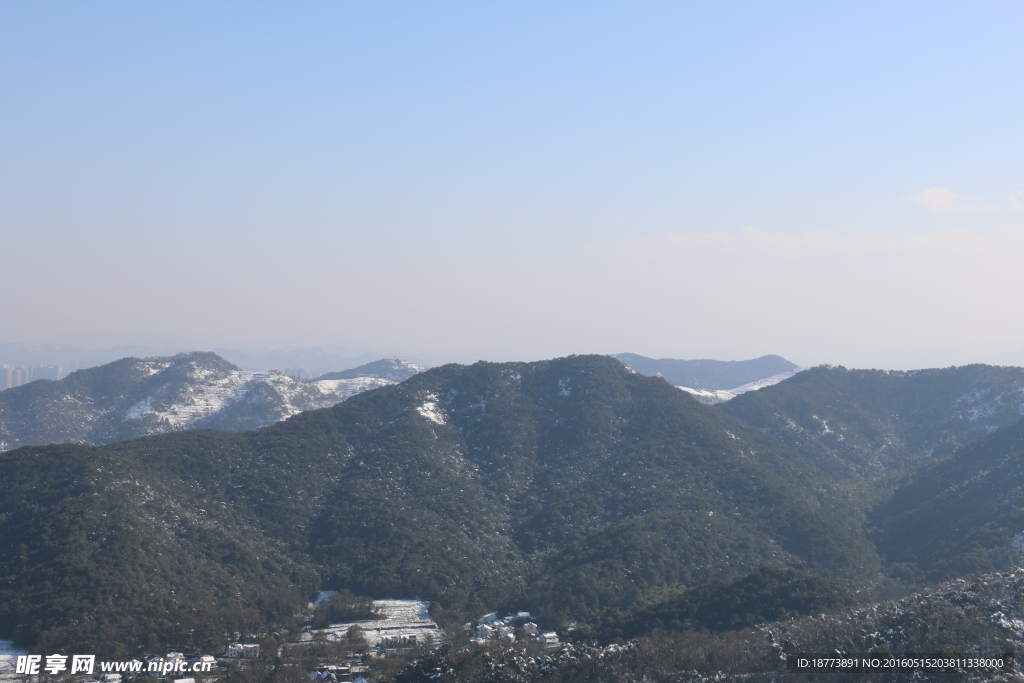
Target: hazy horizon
(458,181)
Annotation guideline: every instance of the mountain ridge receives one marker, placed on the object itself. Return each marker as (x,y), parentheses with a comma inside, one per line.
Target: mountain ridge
(134,397)
(708,374)
(868,430)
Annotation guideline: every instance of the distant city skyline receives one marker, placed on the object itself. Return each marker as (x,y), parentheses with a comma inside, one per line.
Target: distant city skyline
(16,375)
(831,183)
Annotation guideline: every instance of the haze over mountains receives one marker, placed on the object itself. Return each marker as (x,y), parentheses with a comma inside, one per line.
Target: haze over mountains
(315,360)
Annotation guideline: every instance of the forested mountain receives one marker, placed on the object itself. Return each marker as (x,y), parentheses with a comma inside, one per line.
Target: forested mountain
(135,397)
(962,515)
(869,429)
(708,374)
(571,487)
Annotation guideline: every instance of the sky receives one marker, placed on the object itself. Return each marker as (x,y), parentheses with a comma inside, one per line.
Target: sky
(832,182)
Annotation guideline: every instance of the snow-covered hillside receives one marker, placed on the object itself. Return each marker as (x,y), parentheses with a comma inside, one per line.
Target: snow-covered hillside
(138,397)
(712,396)
(212,393)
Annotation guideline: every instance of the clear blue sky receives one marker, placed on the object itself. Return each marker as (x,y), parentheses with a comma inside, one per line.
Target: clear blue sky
(832,182)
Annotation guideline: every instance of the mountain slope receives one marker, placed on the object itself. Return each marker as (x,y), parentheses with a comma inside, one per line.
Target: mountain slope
(980,616)
(133,397)
(963,515)
(116,557)
(869,429)
(571,486)
(708,374)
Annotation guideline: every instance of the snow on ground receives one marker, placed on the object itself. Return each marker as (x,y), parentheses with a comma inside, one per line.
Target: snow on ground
(766,382)
(712,396)
(709,396)
(323,596)
(206,396)
(8,660)
(212,392)
(430,410)
(344,388)
(400,618)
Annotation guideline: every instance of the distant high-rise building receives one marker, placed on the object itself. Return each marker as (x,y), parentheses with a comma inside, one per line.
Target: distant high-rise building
(45,372)
(15,375)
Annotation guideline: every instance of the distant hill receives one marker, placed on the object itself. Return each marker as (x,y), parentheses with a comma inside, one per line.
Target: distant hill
(135,397)
(387,368)
(870,429)
(572,488)
(316,360)
(708,374)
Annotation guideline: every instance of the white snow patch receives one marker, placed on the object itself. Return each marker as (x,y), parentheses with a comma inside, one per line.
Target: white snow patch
(708,396)
(430,411)
(346,388)
(766,382)
(211,392)
(712,396)
(323,596)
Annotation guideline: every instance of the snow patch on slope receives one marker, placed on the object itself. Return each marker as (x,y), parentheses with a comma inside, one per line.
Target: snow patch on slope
(712,396)
(211,392)
(430,410)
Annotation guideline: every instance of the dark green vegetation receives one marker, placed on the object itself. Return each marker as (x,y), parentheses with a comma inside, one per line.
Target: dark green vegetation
(933,459)
(102,550)
(972,616)
(343,607)
(708,374)
(963,515)
(768,594)
(869,430)
(573,488)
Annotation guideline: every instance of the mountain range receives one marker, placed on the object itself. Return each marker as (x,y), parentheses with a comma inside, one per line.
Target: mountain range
(575,488)
(135,397)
